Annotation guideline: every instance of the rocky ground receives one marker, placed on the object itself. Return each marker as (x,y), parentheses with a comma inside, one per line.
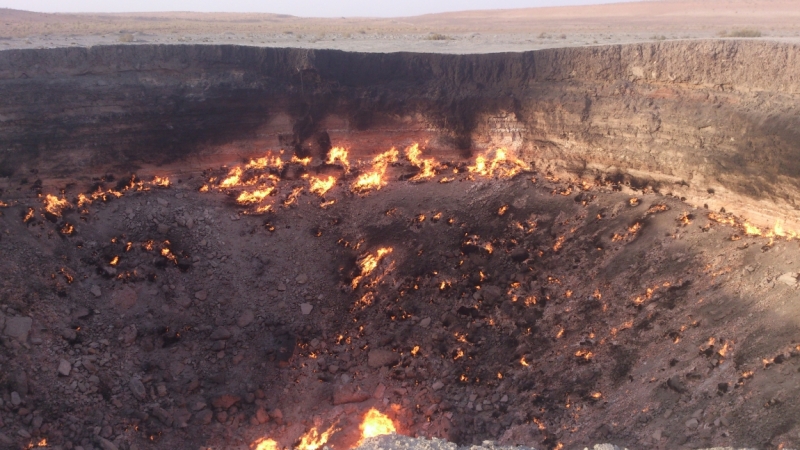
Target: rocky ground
(528,311)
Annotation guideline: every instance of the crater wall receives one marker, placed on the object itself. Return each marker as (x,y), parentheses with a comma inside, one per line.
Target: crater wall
(715,122)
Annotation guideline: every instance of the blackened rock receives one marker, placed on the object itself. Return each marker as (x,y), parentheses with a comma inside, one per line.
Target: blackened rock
(676,384)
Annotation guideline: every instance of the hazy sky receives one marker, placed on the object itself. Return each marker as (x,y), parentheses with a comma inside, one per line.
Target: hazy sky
(305,8)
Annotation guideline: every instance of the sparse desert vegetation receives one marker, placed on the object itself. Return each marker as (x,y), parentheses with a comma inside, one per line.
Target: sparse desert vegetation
(741,33)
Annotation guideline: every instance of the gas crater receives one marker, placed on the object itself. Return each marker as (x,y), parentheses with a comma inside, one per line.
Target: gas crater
(237,247)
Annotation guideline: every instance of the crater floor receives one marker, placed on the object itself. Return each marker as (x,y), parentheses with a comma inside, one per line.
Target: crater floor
(527,310)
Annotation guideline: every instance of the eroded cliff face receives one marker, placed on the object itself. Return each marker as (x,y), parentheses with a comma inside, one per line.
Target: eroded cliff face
(714,122)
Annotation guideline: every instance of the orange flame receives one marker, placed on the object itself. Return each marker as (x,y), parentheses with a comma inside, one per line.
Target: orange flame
(751,230)
(338,155)
(234,178)
(251,198)
(55,205)
(499,166)
(269,161)
(264,444)
(375,424)
(320,186)
(427,166)
(292,197)
(313,440)
(373,180)
(368,263)
(161,182)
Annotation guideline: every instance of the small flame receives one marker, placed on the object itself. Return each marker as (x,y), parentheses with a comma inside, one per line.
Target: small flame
(368,263)
(167,253)
(320,186)
(523,362)
(269,161)
(502,210)
(313,440)
(252,198)
(499,166)
(657,209)
(55,205)
(427,167)
(751,230)
(161,182)
(292,197)
(234,178)
(373,179)
(264,444)
(67,229)
(114,261)
(303,162)
(374,424)
(338,155)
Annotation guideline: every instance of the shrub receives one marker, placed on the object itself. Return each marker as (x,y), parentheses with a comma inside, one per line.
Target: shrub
(127,37)
(438,37)
(743,33)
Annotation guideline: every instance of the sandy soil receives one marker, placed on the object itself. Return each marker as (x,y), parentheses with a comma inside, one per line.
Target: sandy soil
(462,32)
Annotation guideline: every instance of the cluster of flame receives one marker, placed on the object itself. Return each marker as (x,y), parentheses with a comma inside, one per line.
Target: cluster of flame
(777,231)
(259,179)
(56,206)
(374,424)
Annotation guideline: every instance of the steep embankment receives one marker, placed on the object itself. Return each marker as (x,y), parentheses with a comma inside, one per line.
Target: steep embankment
(714,122)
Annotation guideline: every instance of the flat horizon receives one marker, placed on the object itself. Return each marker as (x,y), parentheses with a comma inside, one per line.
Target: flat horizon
(305,9)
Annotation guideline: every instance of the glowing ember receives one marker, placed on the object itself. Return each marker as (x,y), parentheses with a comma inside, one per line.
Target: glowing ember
(559,243)
(167,253)
(114,261)
(264,444)
(55,205)
(313,440)
(523,362)
(292,197)
(500,165)
(657,209)
(338,155)
(502,210)
(375,424)
(67,229)
(427,167)
(721,219)
(373,179)
(320,186)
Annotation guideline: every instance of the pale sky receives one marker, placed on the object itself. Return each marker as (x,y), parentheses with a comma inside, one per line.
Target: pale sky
(303,8)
